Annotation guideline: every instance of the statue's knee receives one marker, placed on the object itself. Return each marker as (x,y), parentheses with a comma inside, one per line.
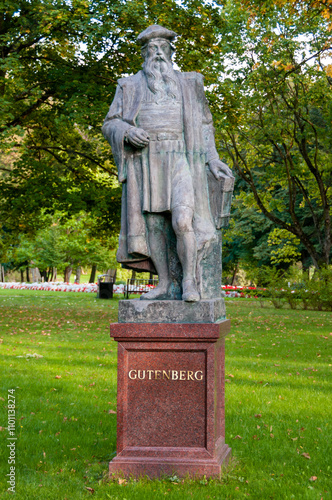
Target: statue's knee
(182,220)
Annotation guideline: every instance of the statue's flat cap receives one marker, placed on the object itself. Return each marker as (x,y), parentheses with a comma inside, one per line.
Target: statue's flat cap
(155,31)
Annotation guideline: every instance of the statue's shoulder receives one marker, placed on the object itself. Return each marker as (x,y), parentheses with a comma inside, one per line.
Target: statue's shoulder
(132,80)
(191,75)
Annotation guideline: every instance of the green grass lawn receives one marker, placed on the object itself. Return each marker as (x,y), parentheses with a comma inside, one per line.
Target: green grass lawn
(278,416)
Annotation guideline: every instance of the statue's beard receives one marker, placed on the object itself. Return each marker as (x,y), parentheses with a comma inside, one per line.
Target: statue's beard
(160,77)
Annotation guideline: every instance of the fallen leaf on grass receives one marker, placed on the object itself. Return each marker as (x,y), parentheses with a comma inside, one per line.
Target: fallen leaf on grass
(272,435)
(91,490)
(230,375)
(237,437)
(319,429)
(57,376)
(313,478)
(122,481)
(112,411)
(294,439)
(259,415)
(227,380)
(306,455)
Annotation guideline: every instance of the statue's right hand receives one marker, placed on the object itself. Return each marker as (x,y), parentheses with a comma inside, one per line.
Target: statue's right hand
(138,137)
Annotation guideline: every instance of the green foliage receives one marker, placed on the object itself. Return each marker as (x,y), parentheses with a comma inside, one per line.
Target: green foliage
(269,85)
(273,107)
(287,246)
(245,242)
(60,64)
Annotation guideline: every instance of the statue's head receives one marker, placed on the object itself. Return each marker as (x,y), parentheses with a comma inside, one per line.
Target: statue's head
(156,42)
(157,52)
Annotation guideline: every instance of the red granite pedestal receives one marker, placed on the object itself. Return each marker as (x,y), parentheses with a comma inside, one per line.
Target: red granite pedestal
(171,409)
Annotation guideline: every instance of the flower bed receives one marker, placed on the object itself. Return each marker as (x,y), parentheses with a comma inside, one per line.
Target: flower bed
(59,287)
(240,291)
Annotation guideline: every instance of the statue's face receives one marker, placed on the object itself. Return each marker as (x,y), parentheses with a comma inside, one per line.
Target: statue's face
(159,49)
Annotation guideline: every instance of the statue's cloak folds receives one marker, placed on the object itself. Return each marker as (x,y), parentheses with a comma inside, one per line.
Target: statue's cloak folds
(133,248)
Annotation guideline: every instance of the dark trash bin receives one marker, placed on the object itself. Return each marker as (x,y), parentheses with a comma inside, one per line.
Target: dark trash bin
(105,287)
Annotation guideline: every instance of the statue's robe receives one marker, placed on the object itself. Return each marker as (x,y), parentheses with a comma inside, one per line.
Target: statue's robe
(133,251)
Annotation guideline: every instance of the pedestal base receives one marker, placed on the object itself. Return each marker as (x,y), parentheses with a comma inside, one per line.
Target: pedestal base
(171,413)
(158,466)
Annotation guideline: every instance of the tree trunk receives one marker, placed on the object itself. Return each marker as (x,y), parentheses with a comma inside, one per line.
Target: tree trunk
(55,272)
(133,277)
(92,278)
(44,276)
(28,275)
(68,271)
(78,274)
(234,274)
(112,274)
(22,275)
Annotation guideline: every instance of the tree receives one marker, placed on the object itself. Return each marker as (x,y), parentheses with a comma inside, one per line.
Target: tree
(60,64)
(273,110)
(268,84)
(63,243)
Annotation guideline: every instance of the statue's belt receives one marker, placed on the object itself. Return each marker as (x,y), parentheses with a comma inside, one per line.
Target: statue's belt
(166,136)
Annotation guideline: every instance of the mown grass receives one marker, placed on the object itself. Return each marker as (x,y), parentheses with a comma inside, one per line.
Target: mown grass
(278,367)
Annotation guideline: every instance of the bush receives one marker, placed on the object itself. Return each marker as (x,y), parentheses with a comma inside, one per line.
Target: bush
(314,293)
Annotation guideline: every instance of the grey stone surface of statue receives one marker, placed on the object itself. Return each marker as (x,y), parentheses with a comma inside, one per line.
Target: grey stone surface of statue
(176,192)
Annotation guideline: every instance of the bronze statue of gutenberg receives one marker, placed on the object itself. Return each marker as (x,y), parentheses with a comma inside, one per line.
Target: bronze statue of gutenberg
(161,132)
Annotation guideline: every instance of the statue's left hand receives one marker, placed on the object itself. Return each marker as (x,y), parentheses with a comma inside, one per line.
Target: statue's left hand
(220,169)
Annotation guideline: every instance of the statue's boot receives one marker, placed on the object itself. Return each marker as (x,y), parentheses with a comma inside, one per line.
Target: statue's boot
(158,293)
(190,293)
